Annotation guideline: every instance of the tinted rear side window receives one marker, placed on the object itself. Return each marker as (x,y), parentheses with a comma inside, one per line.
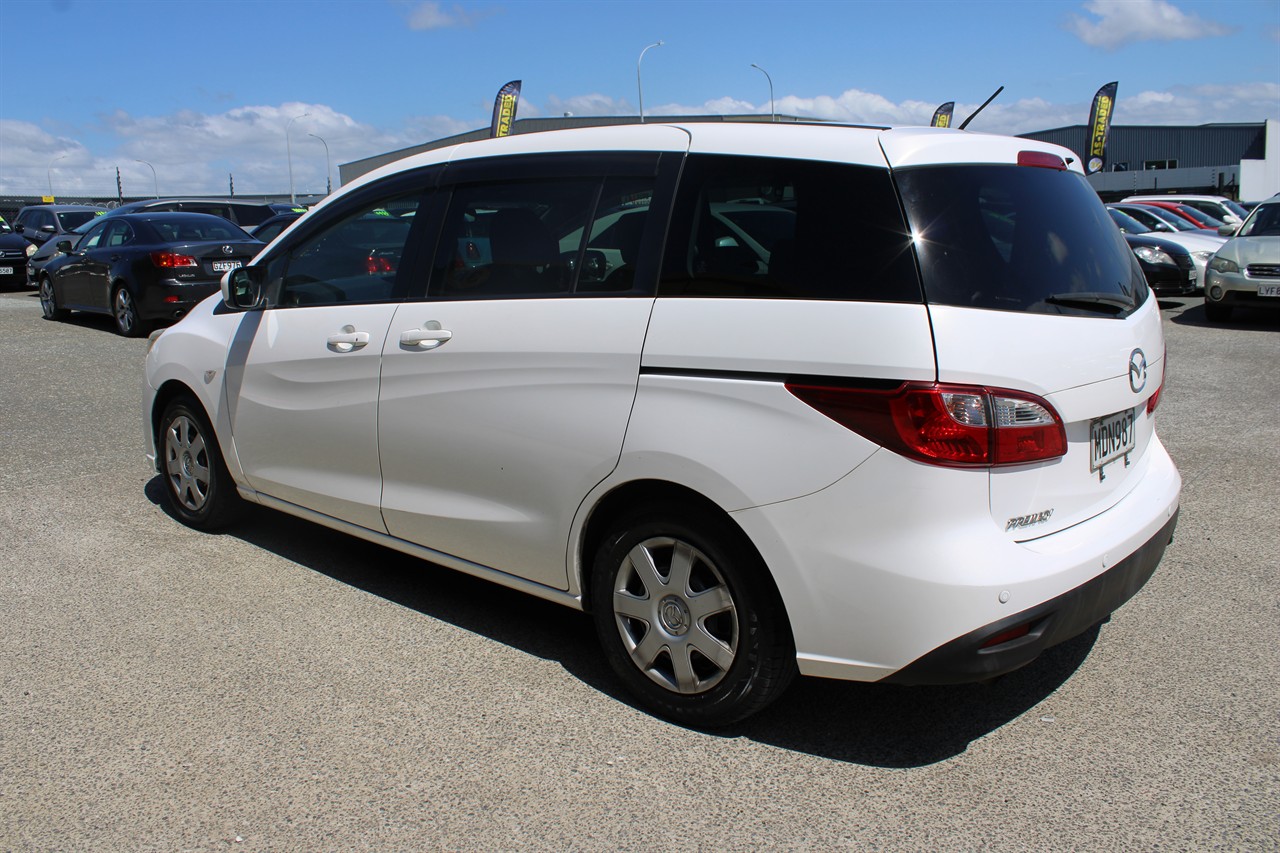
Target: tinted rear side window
(772,228)
(1017,238)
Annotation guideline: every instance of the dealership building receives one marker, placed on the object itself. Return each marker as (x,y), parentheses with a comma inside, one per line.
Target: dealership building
(1239,161)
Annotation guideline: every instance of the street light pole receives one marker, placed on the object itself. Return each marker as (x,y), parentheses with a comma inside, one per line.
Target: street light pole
(328,182)
(49,172)
(153,175)
(773,113)
(639,85)
(288,147)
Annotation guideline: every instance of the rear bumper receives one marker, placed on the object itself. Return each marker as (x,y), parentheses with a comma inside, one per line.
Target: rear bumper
(1055,621)
(169,300)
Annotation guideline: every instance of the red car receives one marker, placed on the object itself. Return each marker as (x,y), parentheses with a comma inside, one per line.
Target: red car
(1187,212)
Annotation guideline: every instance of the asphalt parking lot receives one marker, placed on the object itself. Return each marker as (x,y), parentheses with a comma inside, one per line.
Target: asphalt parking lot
(283,687)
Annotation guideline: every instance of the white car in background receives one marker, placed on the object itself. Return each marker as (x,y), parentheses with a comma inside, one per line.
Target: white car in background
(1199,246)
(1246,271)
(765,399)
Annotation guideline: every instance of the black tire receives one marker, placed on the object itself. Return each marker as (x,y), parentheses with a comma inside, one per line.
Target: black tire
(688,617)
(49,301)
(124,309)
(200,491)
(1216,312)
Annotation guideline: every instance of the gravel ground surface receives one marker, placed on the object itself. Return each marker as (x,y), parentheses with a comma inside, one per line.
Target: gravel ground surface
(283,687)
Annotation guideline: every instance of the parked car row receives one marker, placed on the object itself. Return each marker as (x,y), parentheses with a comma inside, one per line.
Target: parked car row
(43,228)
(143,266)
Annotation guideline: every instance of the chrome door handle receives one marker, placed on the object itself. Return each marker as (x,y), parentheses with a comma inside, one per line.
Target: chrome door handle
(429,336)
(348,339)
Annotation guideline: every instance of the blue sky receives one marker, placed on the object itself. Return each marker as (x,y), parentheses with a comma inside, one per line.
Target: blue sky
(202,89)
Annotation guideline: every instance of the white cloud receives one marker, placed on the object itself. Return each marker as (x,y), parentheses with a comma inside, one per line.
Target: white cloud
(193,152)
(1122,22)
(433,16)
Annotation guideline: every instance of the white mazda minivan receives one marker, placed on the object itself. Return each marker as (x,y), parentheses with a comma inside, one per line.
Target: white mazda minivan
(861,403)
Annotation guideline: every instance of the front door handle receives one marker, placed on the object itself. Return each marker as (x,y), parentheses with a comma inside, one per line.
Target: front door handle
(429,336)
(348,339)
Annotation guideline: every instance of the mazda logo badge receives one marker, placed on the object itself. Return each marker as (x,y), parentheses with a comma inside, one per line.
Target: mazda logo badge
(226,250)
(1137,371)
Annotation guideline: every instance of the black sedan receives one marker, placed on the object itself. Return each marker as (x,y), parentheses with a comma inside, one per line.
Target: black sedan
(13,259)
(143,267)
(1167,266)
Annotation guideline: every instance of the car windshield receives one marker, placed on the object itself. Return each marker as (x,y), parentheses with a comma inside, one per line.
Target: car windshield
(1264,222)
(73,219)
(1170,218)
(1018,238)
(1127,223)
(1200,216)
(1235,207)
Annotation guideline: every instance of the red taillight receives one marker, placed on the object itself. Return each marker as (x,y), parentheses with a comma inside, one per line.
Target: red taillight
(378,265)
(961,425)
(169,260)
(1042,160)
(1154,399)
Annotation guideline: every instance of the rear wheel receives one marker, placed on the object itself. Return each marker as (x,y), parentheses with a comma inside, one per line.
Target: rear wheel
(1217,312)
(200,490)
(125,310)
(688,618)
(49,301)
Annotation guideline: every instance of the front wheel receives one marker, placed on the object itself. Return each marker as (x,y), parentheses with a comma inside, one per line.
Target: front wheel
(200,490)
(49,301)
(125,310)
(688,617)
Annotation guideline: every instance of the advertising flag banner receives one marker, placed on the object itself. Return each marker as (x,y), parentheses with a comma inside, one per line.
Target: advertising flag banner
(1104,104)
(504,109)
(942,115)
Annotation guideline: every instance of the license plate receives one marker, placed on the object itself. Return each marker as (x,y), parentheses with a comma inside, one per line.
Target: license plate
(223,266)
(6,270)
(1111,438)
(1269,290)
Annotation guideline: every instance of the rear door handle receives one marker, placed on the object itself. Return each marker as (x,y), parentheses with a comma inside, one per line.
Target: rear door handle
(348,339)
(429,336)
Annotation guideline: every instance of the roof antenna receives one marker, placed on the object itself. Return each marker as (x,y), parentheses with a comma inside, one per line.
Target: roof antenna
(965,123)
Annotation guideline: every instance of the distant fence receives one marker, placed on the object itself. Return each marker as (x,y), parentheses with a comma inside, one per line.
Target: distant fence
(10,205)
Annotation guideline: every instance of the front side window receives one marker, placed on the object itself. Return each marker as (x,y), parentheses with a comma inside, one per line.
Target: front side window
(94,237)
(1018,238)
(356,259)
(118,234)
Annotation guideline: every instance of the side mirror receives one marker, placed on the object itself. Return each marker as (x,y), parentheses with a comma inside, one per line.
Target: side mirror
(64,246)
(1228,230)
(244,289)
(19,227)
(48,229)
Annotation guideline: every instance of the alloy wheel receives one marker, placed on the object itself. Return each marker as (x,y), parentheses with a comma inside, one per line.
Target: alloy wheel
(676,615)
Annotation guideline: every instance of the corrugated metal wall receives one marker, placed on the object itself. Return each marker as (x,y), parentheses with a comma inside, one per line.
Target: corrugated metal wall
(1191,146)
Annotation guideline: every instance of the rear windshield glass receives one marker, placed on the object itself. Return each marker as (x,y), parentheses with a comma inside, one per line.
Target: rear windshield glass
(1018,238)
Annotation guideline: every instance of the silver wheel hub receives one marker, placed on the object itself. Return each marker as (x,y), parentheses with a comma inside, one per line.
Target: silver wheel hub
(673,615)
(676,615)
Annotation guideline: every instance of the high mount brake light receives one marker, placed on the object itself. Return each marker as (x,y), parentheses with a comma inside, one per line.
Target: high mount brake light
(169,260)
(954,425)
(1041,159)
